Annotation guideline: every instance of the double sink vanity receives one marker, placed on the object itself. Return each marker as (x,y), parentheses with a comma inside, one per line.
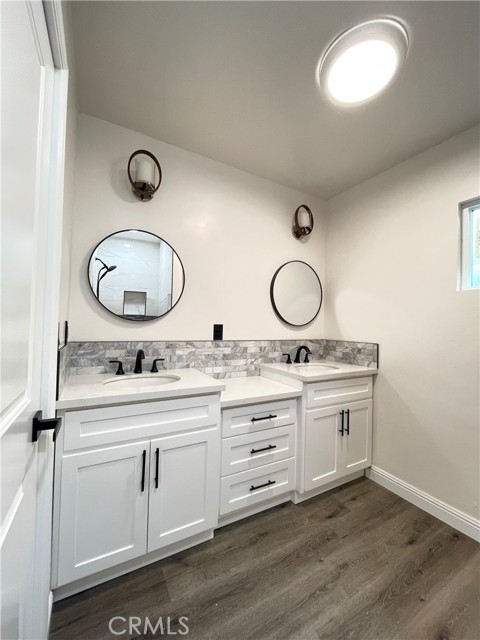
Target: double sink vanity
(147,465)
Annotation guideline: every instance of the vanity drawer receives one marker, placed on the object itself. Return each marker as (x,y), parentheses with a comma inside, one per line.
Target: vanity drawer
(256,417)
(253,450)
(107,425)
(240,490)
(324,394)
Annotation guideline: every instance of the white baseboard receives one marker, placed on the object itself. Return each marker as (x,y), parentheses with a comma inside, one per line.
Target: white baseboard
(457,519)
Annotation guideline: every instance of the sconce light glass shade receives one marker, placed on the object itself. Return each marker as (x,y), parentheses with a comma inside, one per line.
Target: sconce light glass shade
(302,222)
(362,61)
(144,174)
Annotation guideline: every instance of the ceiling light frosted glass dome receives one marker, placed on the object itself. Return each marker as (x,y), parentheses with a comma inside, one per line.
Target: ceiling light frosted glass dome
(362,61)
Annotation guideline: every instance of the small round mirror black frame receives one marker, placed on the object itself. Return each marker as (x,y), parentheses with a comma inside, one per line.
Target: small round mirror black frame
(139,319)
(275,304)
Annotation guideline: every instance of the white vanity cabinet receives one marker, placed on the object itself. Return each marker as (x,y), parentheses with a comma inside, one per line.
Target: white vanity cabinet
(133,480)
(258,455)
(183,499)
(337,435)
(102,516)
(331,451)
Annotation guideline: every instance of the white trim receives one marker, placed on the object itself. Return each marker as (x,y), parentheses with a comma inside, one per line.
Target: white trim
(54,241)
(56,32)
(457,519)
(40,32)
(50,610)
(465,238)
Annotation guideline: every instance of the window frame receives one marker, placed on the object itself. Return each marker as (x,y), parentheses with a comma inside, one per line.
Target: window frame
(465,250)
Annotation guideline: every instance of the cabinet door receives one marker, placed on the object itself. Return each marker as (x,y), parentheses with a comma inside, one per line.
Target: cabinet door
(322,454)
(184,487)
(103,509)
(357,444)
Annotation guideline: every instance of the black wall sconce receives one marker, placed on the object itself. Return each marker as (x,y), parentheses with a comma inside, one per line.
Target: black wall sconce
(302,230)
(144,174)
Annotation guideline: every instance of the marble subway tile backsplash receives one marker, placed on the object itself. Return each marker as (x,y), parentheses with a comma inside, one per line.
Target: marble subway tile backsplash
(364,354)
(220,359)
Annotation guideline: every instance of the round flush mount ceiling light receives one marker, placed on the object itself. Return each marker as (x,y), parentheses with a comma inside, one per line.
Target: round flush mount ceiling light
(362,61)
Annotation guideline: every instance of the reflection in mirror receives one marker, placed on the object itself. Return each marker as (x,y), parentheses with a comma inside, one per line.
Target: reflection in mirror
(296,293)
(136,275)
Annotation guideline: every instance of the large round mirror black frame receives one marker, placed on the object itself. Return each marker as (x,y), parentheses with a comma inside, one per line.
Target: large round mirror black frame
(296,293)
(136,292)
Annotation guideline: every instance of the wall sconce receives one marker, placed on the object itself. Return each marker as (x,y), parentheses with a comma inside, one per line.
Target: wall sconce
(299,230)
(146,176)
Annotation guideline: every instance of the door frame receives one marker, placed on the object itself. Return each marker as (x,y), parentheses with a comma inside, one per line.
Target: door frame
(49,28)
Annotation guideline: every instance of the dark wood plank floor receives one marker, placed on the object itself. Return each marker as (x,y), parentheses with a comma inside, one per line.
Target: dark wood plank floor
(357,563)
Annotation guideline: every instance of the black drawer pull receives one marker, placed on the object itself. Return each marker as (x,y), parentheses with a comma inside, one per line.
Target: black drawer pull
(347,428)
(270,417)
(270,446)
(267,484)
(157,458)
(144,459)
(342,430)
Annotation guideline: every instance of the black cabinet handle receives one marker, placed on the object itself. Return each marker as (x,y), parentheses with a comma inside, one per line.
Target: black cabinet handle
(270,446)
(144,460)
(157,459)
(347,428)
(270,417)
(342,430)
(267,484)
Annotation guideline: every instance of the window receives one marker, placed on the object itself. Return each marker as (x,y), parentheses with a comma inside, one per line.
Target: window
(470,244)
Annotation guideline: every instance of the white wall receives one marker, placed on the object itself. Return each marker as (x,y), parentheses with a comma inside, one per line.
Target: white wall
(392,274)
(231,230)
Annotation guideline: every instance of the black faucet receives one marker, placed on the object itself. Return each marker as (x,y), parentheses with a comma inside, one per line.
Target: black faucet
(299,351)
(138,361)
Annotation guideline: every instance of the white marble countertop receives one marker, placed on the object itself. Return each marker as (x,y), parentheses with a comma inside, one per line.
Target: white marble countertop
(254,389)
(316,371)
(89,390)
(277,381)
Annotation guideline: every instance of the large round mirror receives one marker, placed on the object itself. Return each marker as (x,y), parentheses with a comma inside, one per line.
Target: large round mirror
(136,275)
(296,293)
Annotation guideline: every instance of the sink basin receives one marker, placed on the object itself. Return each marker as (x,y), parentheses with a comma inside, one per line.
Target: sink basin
(314,367)
(140,381)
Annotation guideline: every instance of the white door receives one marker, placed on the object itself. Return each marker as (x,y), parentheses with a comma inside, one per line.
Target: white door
(322,446)
(357,443)
(27,380)
(184,487)
(103,509)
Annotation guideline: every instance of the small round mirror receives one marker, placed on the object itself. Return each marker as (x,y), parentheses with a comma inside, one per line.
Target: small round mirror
(296,293)
(136,275)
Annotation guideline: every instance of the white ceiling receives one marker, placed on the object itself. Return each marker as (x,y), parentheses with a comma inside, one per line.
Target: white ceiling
(235,81)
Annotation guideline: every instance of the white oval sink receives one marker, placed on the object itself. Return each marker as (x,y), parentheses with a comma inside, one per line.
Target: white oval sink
(140,381)
(313,367)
